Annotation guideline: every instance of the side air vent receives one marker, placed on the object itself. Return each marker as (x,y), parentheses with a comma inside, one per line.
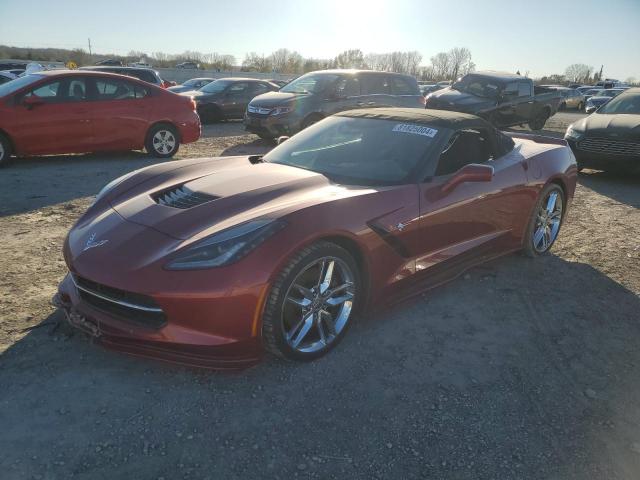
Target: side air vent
(182,197)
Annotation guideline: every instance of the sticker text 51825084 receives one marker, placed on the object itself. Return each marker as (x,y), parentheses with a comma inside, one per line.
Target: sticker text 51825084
(415,129)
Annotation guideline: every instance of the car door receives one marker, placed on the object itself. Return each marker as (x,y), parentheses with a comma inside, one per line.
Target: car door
(235,100)
(344,94)
(58,123)
(473,220)
(376,90)
(120,113)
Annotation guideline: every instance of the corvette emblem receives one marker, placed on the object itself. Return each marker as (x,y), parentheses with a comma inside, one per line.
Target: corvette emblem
(91,243)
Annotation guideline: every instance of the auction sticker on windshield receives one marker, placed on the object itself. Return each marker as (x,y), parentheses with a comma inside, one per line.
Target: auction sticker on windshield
(415,129)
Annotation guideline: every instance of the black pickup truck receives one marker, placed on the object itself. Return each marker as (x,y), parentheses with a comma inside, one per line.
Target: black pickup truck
(502,98)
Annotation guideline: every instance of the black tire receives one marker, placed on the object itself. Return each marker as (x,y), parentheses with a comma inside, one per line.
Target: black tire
(538,122)
(5,151)
(159,148)
(580,106)
(562,107)
(211,115)
(266,137)
(311,119)
(274,330)
(529,247)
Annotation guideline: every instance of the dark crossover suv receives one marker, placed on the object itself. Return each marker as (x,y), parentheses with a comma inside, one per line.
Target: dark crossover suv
(228,97)
(317,95)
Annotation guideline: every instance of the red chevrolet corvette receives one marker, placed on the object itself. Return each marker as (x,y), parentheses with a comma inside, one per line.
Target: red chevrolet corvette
(210,262)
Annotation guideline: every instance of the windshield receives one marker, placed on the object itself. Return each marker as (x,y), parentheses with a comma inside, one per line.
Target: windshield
(216,86)
(477,85)
(359,151)
(15,85)
(629,104)
(310,83)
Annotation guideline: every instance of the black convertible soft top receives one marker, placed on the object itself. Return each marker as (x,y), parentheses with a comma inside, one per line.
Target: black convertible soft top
(432,118)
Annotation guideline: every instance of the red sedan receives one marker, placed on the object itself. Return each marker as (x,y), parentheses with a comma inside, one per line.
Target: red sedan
(210,262)
(80,111)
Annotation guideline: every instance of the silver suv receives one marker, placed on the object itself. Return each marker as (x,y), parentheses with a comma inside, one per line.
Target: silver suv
(316,95)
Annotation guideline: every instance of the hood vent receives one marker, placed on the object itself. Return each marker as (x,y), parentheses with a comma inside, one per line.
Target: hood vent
(182,197)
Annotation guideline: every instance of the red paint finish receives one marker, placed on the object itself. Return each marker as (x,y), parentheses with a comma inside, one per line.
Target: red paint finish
(407,238)
(42,126)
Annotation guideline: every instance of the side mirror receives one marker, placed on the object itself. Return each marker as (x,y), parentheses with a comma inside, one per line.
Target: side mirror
(32,101)
(469,173)
(282,139)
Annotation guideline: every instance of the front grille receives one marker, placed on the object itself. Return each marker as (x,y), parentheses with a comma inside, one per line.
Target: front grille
(128,306)
(258,110)
(182,197)
(609,146)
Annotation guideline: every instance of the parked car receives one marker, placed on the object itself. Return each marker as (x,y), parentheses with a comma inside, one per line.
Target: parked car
(228,98)
(600,98)
(504,99)
(609,139)
(209,262)
(6,76)
(77,111)
(316,95)
(188,65)
(110,62)
(590,93)
(426,89)
(145,74)
(280,83)
(571,98)
(191,85)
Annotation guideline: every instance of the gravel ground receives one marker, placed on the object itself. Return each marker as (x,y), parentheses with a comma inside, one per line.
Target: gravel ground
(521,369)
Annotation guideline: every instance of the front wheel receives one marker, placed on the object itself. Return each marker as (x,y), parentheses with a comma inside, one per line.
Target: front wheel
(580,106)
(162,141)
(545,221)
(311,303)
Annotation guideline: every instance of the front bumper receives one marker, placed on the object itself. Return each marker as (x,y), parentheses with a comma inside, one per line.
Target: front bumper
(272,126)
(173,342)
(606,159)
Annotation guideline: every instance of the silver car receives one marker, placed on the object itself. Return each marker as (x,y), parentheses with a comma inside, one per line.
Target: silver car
(571,99)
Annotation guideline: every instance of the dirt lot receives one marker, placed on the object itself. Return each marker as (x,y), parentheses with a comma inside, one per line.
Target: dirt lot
(523,369)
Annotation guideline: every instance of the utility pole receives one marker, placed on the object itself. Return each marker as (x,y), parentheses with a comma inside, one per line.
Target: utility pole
(89,47)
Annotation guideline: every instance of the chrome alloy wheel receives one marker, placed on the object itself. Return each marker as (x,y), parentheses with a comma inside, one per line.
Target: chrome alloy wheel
(164,142)
(548,222)
(318,304)
(2,152)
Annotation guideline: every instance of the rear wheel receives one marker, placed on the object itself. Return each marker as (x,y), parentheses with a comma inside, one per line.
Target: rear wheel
(562,107)
(266,137)
(580,106)
(162,141)
(311,303)
(545,221)
(5,150)
(538,122)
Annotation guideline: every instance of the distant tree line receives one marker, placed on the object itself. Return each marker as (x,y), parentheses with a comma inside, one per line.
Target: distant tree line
(442,66)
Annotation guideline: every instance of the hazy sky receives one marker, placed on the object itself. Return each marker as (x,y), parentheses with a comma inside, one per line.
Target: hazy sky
(538,36)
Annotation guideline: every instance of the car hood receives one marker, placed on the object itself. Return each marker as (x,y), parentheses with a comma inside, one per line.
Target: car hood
(605,125)
(274,99)
(450,99)
(230,190)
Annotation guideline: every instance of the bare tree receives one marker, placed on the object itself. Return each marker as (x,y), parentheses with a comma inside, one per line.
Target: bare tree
(441,64)
(350,59)
(413,63)
(578,72)
(256,63)
(459,61)
(378,61)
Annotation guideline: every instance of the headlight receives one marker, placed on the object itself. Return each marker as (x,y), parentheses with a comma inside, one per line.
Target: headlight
(281,110)
(573,133)
(227,246)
